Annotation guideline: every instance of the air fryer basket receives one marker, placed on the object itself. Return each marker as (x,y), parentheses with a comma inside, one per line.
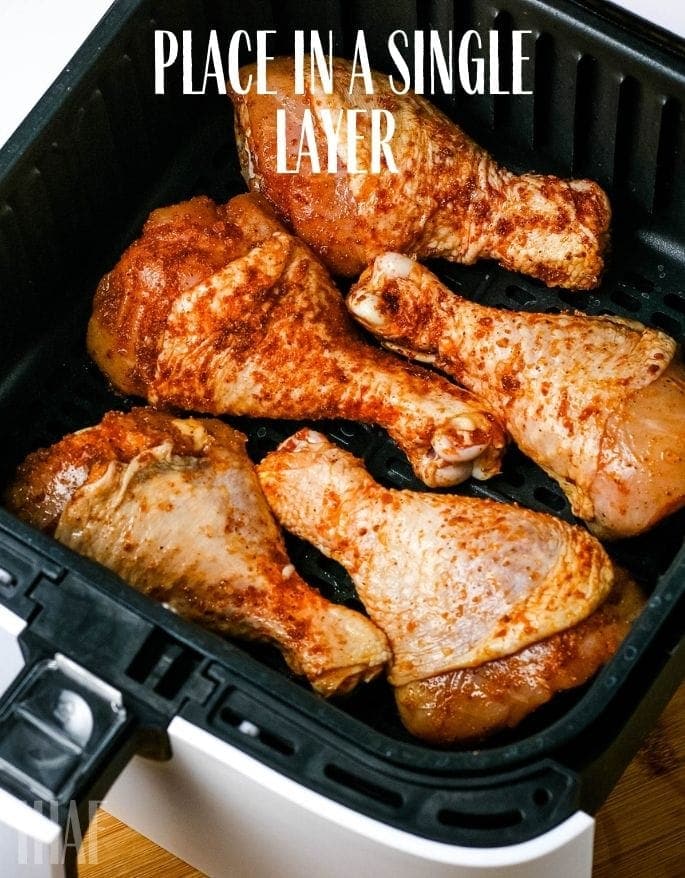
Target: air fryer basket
(76,183)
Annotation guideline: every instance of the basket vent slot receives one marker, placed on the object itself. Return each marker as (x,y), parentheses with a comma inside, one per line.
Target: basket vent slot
(675,301)
(549,498)
(668,153)
(645,125)
(585,103)
(163,665)
(628,102)
(668,324)
(557,78)
(513,478)
(465,820)
(568,298)
(247,727)
(639,281)
(253,721)
(626,300)
(544,55)
(367,788)
(519,295)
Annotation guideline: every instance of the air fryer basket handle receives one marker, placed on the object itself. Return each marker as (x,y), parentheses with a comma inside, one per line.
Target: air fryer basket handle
(86,681)
(65,735)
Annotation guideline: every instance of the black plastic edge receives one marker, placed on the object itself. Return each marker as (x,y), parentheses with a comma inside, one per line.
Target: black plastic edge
(14,152)
(611,22)
(635,25)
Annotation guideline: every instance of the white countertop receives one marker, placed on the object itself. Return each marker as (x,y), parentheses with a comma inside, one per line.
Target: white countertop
(38,37)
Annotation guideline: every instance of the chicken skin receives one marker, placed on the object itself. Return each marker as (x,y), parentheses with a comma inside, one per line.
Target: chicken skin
(175,508)
(449,198)
(489,608)
(597,402)
(471,703)
(216,309)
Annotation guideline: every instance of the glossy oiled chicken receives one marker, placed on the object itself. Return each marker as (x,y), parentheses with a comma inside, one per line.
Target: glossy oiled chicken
(598,402)
(449,198)
(217,309)
(175,508)
(489,608)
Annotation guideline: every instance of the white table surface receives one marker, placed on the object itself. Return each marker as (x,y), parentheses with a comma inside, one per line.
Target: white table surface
(38,37)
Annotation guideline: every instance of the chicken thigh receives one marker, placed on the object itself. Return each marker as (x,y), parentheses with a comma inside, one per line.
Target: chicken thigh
(598,402)
(449,198)
(217,309)
(489,608)
(175,508)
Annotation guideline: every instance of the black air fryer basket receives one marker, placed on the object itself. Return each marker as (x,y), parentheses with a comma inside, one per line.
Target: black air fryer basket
(76,183)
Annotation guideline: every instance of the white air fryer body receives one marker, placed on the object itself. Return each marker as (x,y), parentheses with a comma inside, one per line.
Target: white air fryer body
(233,817)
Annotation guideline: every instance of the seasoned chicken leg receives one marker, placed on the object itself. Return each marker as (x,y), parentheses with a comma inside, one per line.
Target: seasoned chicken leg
(449,198)
(598,402)
(489,608)
(175,508)
(217,309)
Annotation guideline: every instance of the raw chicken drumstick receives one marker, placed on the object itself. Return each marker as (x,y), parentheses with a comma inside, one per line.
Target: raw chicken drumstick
(598,402)
(489,608)
(175,508)
(217,309)
(448,199)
